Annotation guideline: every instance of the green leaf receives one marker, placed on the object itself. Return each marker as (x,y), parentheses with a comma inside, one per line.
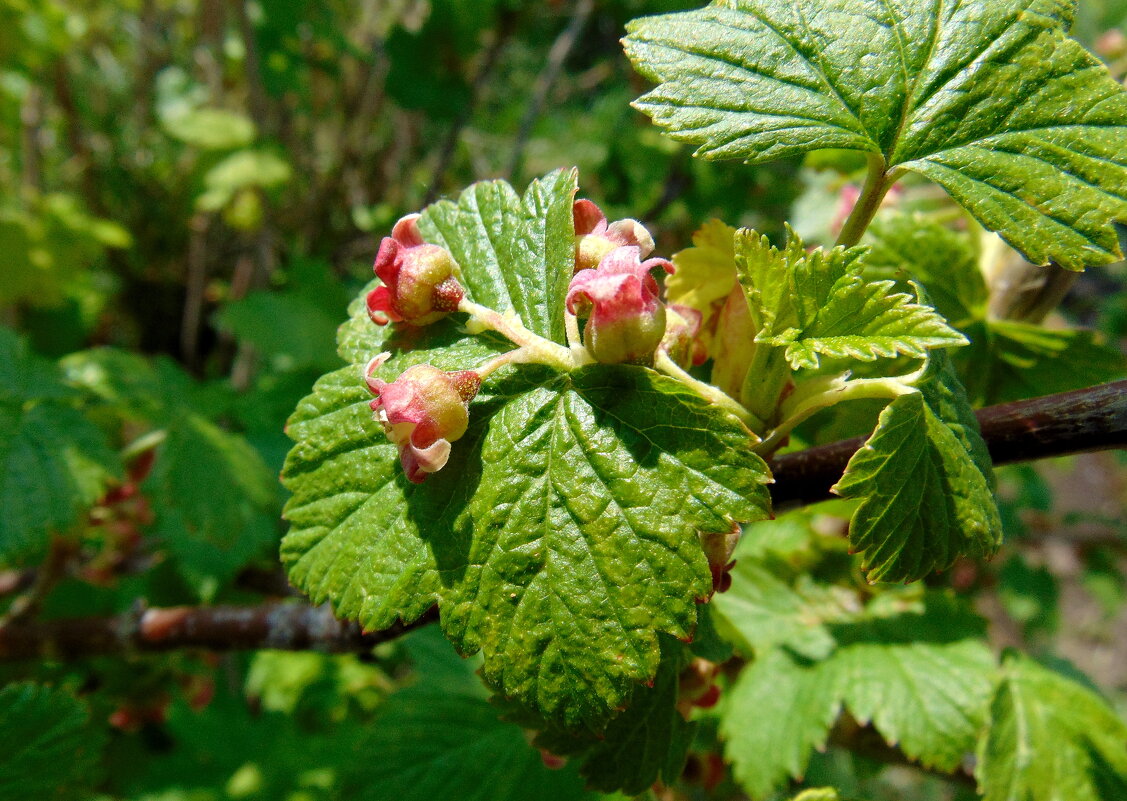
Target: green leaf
(910,246)
(921,675)
(561,538)
(1050,738)
(819,304)
(214,498)
(295,327)
(771,604)
(49,748)
(647,743)
(54,462)
(992,101)
(577,548)
(444,740)
(351,539)
(926,483)
(777,713)
(515,253)
(1010,361)
(209,128)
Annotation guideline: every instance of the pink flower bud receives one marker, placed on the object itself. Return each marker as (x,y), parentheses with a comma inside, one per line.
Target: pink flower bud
(595,238)
(422,412)
(420,282)
(625,316)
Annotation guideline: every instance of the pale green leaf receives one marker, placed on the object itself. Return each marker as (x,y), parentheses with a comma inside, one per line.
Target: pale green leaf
(209,128)
(991,100)
(48,749)
(926,483)
(770,604)
(922,675)
(819,304)
(1050,739)
(777,713)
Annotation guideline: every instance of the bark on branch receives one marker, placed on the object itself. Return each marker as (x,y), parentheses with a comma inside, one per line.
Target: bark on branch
(1084,420)
(281,626)
(1071,422)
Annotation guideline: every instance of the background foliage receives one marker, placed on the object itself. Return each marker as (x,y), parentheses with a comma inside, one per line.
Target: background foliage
(193,191)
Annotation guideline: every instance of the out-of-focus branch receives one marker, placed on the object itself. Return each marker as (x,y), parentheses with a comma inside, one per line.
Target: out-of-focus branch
(1090,419)
(282,626)
(557,54)
(502,31)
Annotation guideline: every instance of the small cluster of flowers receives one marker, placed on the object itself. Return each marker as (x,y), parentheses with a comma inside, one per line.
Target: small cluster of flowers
(613,288)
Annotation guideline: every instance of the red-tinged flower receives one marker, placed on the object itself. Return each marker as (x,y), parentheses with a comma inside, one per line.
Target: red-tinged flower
(422,412)
(625,315)
(420,283)
(595,237)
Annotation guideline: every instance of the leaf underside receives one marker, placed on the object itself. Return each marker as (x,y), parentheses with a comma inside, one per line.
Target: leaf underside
(1017,122)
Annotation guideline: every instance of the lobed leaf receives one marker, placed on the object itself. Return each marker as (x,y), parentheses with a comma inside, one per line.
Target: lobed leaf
(562,537)
(49,748)
(819,304)
(54,462)
(1050,738)
(992,101)
(926,484)
(922,676)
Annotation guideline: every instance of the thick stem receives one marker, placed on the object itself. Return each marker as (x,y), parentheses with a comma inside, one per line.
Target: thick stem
(283,626)
(877,184)
(1084,420)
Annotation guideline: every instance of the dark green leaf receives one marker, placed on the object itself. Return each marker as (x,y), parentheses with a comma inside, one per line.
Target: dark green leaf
(991,100)
(907,246)
(1010,361)
(54,462)
(49,749)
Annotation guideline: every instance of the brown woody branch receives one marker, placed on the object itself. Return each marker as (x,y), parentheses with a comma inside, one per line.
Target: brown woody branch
(280,626)
(1071,422)
(1084,420)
